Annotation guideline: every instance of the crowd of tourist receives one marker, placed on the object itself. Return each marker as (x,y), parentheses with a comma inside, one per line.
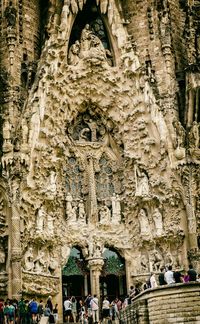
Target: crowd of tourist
(167,277)
(88,310)
(27,311)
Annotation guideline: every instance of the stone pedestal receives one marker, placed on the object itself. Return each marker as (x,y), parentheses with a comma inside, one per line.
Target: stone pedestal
(95,265)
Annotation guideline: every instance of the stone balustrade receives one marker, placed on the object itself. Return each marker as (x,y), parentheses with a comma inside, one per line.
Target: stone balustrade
(179,303)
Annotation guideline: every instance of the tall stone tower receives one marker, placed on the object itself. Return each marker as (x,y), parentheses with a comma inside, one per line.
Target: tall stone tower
(100,116)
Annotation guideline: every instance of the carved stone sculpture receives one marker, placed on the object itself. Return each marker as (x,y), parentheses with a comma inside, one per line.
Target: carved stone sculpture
(50,224)
(144,222)
(142,183)
(116,209)
(40,220)
(194,136)
(70,209)
(158,223)
(7,132)
(156,261)
(29,260)
(180,134)
(40,263)
(105,215)
(51,188)
(144,263)
(10,14)
(74,51)
(81,212)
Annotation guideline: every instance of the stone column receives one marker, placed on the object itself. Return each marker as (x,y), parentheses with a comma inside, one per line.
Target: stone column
(16,253)
(85,285)
(95,265)
(93,213)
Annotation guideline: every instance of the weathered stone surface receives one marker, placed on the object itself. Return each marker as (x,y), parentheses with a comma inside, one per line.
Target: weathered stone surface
(99,137)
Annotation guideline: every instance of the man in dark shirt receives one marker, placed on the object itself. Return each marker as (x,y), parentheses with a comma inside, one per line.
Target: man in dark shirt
(177,276)
(192,273)
(161,277)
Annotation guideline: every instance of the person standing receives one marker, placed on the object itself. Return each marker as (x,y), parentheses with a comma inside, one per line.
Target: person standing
(1,310)
(74,308)
(153,282)
(105,309)
(169,276)
(40,309)
(33,307)
(49,303)
(192,273)
(55,313)
(161,277)
(95,308)
(67,309)
(178,276)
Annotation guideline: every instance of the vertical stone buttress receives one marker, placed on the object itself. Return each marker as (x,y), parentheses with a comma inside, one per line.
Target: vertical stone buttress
(16,252)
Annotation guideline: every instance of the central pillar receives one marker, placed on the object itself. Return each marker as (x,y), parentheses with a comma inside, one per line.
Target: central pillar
(95,265)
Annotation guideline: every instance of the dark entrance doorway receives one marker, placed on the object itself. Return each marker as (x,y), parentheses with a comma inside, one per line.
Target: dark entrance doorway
(113,277)
(75,275)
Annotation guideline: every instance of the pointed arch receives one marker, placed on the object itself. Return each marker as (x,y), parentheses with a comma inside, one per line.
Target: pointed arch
(92,15)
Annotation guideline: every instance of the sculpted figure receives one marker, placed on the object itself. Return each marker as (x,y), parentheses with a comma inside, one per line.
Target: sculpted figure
(40,262)
(24,131)
(52,182)
(2,255)
(194,136)
(156,260)
(97,49)
(86,36)
(81,212)
(180,133)
(83,134)
(10,15)
(28,260)
(157,218)
(142,183)
(6,131)
(40,218)
(70,210)
(91,45)
(93,127)
(116,209)
(144,262)
(73,56)
(105,215)
(144,222)
(130,59)
(50,224)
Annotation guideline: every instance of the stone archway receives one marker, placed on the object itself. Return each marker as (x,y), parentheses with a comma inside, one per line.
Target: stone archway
(113,275)
(75,275)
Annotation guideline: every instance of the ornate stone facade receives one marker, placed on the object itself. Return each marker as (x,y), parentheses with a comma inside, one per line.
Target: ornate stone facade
(99,138)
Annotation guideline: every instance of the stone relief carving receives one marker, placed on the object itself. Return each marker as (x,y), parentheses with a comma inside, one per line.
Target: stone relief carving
(40,220)
(90,152)
(116,209)
(142,183)
(104,215)
(70,209)
(158,222)
(156,260)
(89,46)
(81,212)
(194,135)
(144,222)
